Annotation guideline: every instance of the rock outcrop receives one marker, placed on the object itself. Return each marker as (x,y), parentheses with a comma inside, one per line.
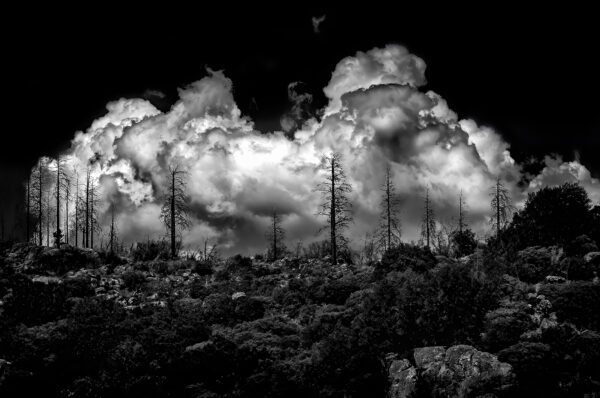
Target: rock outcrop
(458,371)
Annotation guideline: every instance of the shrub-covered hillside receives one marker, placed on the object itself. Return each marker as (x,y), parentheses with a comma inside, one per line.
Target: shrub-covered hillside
(507,320)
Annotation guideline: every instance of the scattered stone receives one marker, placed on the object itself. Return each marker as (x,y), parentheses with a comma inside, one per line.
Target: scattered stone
(452,372)
(238,295)
(591,256)
(555,279)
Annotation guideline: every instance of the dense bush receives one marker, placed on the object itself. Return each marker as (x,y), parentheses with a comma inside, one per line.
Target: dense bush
(535,366)
(575,302)
(151,250)
(505,325)
(463,243)
(239,263)
(67,258)
(553,215)
(134,280)
(534,264)
(406,256)
(34,303)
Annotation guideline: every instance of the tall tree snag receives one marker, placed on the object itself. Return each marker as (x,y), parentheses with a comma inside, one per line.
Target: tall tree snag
(175,211)
(336,205)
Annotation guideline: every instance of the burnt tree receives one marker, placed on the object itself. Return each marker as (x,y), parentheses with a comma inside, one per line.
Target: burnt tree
(501,206)
(389,225)
(175,211)
(428,228)
(336,205)
(275,236)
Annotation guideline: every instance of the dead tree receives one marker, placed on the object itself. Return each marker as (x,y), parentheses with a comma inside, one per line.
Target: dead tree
(275,236)
(77,224)
(92,200)
(61,186)
(175,211)
(389,227)
(28,208)
(501,206)
(48,218)
(428,228)
(113,231)
(67,185)
(90,210)
(87,209)
(38,180)
(336,205)
(461,213)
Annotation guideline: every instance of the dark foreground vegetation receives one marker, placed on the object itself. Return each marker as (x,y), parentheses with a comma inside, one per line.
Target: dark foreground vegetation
(79,323)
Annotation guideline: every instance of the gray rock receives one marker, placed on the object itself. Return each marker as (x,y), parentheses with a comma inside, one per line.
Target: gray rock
(403,379)
(555,279)
(588,258)
(238,295)
(454,372)
(4,369)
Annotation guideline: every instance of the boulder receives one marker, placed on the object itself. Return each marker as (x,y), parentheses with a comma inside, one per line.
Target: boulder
(591,256)
(458,371)
(4,369)
(403,379)
(238,295)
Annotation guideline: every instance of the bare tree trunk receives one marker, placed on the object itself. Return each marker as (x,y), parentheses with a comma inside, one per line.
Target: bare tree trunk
(28,215)
(498,208)
(67,212)
(460,213)
(332,226)
(427,221)
(87,211)
(173,214)
(274,236)
(92,215)
(57,238)
(77,210)
(40,204)
(112,228)
(389,221)
(48,220)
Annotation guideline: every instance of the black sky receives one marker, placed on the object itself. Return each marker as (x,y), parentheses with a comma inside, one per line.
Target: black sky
(532,74)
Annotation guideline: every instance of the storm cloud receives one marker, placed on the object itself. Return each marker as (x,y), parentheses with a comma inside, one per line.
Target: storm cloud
(377,115)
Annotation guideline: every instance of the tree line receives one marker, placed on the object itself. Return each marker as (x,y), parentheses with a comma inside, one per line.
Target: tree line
(76,195)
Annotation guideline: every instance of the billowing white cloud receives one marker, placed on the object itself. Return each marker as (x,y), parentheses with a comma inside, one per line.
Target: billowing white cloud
(236,175)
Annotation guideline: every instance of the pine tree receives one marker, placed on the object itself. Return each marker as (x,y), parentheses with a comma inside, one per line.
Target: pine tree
(428,228)
(175,211)
(501,206)
(389,228)
(336,205)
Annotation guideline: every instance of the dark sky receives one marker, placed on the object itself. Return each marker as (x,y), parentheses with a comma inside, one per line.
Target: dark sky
(531,74)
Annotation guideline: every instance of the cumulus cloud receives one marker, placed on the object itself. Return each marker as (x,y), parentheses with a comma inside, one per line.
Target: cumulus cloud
(236,175)
(300,110)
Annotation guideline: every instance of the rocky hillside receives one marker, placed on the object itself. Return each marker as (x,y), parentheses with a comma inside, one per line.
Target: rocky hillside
(78,323)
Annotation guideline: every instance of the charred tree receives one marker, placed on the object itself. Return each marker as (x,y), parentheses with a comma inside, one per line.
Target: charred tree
(389,227)
(175,211)
(275,236)
(501,206)
(113,232)
(336,205)
(428,228)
